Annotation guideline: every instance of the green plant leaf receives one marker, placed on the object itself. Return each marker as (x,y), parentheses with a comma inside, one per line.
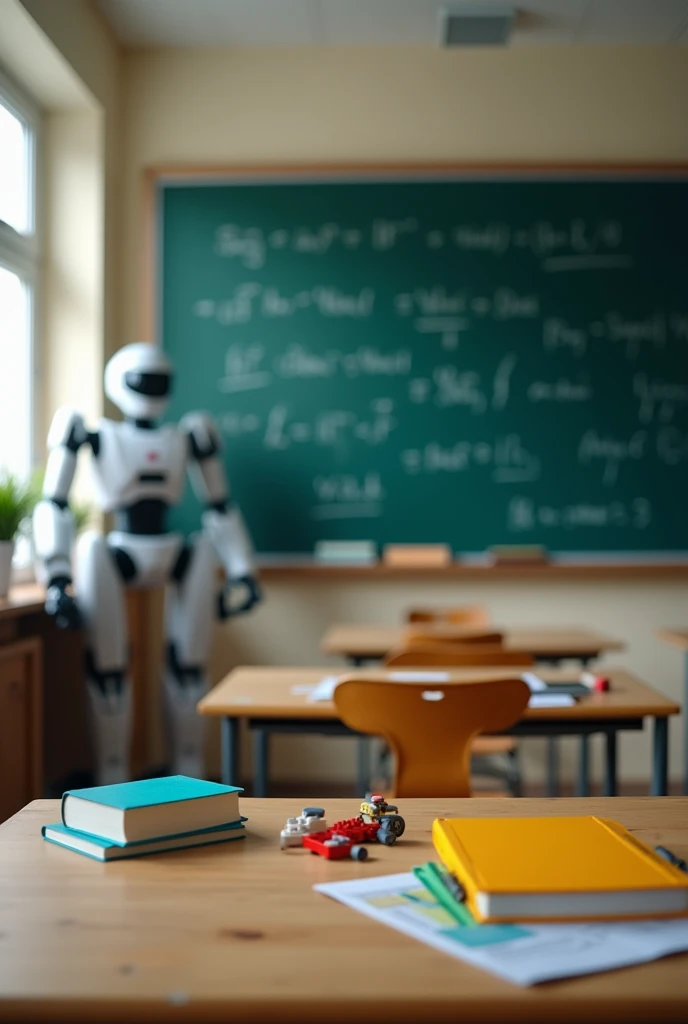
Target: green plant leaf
(17,501)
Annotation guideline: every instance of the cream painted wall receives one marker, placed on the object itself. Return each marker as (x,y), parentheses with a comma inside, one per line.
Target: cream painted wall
(73,280)
(282,106)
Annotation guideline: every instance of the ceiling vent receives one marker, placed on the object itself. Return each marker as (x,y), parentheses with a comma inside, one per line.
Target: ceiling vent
(476,25)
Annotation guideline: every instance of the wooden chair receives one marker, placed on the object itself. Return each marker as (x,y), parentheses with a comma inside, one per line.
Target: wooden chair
(466,615)
(496,756)
(425,655)
(418,636)
(430,727)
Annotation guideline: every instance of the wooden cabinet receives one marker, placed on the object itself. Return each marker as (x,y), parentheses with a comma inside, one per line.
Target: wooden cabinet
(21,721)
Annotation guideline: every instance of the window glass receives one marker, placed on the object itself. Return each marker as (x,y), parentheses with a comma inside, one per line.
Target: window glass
(15,172)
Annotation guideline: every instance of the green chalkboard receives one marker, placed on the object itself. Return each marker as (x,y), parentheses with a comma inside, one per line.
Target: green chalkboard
(470,359)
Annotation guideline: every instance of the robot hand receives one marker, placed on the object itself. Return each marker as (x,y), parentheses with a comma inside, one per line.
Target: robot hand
(248,592)
(61,605)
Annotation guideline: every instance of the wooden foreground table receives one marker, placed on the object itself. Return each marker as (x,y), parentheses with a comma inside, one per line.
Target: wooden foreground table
(235,932)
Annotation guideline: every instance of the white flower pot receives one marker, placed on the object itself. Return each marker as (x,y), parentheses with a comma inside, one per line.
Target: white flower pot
(6,552)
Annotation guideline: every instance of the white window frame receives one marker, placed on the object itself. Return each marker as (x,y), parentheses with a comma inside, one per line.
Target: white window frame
(22,253)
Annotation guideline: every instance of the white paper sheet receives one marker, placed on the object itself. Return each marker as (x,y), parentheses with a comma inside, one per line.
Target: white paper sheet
(551,700)
(535,684)
(324,689)
(524,954)
(418,677)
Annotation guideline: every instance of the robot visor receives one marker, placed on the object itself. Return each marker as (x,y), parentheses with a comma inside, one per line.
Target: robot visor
(154,385)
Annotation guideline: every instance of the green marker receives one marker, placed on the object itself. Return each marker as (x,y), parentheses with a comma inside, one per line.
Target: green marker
(437,881)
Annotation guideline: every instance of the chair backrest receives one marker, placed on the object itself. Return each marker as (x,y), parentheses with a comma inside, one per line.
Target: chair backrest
(430,726)
(414,636)
(466,615)
(457,655)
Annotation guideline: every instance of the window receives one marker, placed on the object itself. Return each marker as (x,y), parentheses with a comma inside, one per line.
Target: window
(19,264)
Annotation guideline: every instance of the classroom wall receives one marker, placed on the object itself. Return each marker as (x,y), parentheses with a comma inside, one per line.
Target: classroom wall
(367,105)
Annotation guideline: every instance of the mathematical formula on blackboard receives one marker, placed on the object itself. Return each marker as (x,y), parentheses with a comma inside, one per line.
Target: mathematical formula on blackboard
(424,377)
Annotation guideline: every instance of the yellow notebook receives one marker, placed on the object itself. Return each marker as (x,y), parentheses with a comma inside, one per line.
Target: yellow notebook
(557,869)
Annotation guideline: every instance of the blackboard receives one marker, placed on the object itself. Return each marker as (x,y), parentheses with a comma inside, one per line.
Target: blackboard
(475,358)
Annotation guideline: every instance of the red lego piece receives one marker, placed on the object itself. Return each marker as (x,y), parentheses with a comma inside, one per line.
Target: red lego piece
(341,839)
(334,847)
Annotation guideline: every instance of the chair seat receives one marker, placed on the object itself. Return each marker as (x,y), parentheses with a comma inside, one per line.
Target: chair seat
(486,745)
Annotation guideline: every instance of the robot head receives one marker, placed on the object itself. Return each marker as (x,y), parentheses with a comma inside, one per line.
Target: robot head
(138,379)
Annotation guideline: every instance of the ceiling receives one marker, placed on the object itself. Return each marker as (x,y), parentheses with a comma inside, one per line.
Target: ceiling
(248,23)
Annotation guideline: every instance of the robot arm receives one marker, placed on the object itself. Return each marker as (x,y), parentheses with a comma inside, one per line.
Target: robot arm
(222,520)
(53,523)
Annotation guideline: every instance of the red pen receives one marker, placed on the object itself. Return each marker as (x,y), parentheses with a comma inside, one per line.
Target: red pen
(595,682)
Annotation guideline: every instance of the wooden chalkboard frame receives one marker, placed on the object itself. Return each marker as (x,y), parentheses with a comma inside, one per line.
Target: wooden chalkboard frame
(156,176)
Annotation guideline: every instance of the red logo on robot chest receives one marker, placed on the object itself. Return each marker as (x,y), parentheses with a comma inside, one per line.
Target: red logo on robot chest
(152,456)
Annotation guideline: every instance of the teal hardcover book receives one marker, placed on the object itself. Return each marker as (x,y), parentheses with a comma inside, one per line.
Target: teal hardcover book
(103,849)
(150,809)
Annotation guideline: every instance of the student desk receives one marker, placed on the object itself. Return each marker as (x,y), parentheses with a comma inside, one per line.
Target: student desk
(276,700)
(235,932)
(679,638)
(362,642)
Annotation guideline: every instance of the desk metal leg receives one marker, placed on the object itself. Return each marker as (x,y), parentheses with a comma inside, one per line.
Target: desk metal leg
(584,767)
(552,767)
(362,765)
(261,739)
(609,788)
(229,729)
(660,758)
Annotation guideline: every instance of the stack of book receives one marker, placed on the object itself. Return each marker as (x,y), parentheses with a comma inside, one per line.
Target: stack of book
(135,818)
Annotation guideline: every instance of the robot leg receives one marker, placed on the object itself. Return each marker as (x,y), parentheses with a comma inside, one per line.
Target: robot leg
(189,617)
(100,595)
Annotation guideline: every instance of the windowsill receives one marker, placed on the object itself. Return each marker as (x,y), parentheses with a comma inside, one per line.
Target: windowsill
(23,599)
(22,574)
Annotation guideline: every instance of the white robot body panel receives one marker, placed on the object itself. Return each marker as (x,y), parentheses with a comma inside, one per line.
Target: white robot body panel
(189,605)
(207,473)
(231,541)
(54,531)
(67,434)
(67,423)
(135,464)
(153,557)
(101,601)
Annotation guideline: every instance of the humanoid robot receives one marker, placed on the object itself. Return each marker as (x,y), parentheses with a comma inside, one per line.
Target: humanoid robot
(138,469)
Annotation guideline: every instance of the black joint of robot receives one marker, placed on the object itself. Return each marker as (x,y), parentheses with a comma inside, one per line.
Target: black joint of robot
(61,605)
(74,441)
(200,452)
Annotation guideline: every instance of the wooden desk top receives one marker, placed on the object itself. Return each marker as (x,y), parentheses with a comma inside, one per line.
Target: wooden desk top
(22,600)
(236,932)
(675,637)
(374,641)
(271,692)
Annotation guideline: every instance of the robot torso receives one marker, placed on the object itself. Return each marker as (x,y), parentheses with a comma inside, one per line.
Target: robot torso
(137,465)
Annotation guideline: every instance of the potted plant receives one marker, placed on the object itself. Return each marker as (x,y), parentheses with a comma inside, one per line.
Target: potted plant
(17,500)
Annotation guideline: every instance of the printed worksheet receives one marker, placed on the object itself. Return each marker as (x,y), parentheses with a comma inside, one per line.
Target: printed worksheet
(524,954)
